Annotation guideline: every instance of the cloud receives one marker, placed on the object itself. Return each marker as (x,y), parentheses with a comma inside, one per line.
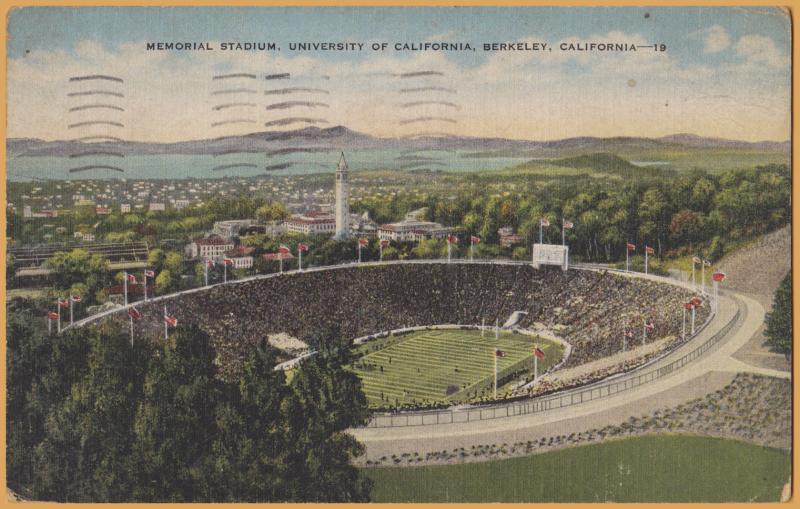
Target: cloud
(716,40)
(761,50)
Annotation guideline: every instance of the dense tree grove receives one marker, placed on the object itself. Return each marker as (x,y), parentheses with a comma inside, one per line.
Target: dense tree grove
(676,214)
(779,320)
(92,418)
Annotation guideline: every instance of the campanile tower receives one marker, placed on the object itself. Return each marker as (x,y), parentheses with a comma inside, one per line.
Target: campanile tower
(342,192)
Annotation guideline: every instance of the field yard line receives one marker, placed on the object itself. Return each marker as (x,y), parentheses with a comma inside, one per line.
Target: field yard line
(717,359)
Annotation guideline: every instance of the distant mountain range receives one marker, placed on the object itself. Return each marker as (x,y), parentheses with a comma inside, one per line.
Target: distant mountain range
(312,139)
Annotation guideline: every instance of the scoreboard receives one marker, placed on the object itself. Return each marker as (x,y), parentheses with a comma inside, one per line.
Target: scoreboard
(551,254)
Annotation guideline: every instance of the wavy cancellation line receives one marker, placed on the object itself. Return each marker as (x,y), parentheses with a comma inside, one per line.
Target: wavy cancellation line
(93,77)
(279,76)
(276,167)
(415,90)
(233,105)
(233,121)
(98,139)
(96,167)
(97,153)
(295,120)
(297,104)
(415,104)
(419,74)
(294,90)
(428,119)
(95,92)
(296,150)
(96,122)
(96,107)
(234,75)
(234,165)
(234,91)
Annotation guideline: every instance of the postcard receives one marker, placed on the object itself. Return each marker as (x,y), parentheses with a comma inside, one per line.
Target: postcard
(398,254)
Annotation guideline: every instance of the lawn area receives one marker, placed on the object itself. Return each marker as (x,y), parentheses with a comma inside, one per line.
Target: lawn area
(655,468)
(445,365)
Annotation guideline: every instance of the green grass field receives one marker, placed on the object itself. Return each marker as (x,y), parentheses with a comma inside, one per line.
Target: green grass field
(444,365)
(655,468)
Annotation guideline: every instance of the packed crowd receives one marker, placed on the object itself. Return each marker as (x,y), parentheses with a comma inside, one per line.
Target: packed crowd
(590,310)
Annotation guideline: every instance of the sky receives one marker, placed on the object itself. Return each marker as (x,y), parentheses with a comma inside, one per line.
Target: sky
(725,73)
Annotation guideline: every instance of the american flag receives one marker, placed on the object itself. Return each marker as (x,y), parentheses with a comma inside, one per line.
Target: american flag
(227,261)
(696,259)
(64,303)
(134,313)
(630,247)
(649,250)
(363,242)
(544,221)
(475,239)
(284,250)
(718,276)
(301,247)
(452,239)
(131,278)
(171,321)
(538,352)
(75,298)
(384,243)
(499,353)
(568,225)
(149,273)
(52,315)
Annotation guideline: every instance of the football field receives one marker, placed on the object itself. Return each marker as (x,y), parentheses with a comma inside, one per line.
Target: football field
(446,365)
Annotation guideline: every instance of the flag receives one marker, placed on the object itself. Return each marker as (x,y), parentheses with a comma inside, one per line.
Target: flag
(630,247)
(227,261)
(284,250)
(131,278)
(75,298)
(568,225)
(474,239)
(628,334)
(452,239)
(718,276)
(544,222)
(696,259)
(688,305)
(363,242)
(301,247)
(210,263)
(707,263)
(649,326)
(697,302)
(64,303)
(499,353)
(171,321)
(538,352)
(52,315)
(134,313)
(649,250)
(385,243)
(149,273)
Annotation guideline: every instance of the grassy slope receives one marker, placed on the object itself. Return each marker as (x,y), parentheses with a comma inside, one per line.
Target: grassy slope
(662,468)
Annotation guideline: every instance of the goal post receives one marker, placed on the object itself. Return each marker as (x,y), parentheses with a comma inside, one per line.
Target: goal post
(550,254)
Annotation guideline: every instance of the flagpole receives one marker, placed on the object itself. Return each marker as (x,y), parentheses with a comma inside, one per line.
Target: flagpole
(483,327)
(471,249)
(563,233)
(496,330)
(70,309)
(495,373)
(694,283)
(49,326)
(380,250)
(224,271)
(280,260)
(683,334)
(627,258)
(716,296)
(535,362)
(693,312)
(166,333)
(131,320)
(125,286)
(58,305)
(703,274)
(540,231)
(448,250)
(359,252)
(299,259)
(645,259)
(144,278)
(205,272)
(644,333)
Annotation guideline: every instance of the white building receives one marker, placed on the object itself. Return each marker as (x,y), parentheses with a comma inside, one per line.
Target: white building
(312,223)
(242,257)
(412,230)
(181,204)
(342,194)
(229,229)
(212,247)
(155,206)
(125,208)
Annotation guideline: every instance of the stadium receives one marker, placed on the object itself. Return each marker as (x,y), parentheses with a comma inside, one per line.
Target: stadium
(426,332)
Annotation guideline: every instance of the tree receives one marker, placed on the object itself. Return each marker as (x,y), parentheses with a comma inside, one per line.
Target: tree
(163,281)
(155,259)
(779,320)
(78,266)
